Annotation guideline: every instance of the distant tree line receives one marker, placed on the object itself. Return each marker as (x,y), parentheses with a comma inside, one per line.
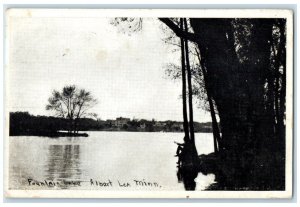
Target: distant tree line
(23,123)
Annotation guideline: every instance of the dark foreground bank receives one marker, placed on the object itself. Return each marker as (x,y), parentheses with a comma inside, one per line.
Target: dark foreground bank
(217,164)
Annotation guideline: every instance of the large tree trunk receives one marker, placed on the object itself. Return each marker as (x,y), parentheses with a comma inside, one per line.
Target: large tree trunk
(238,90)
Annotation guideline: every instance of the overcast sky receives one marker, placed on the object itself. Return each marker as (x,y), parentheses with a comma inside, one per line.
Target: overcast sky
(124,72)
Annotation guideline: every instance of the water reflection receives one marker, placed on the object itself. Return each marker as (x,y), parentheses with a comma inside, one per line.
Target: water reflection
(187,165)
(63,162)
(96,157)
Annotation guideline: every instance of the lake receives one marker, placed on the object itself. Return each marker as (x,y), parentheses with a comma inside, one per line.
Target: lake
(103,161)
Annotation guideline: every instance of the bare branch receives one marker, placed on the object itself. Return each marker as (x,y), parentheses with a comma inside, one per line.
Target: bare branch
(179,32)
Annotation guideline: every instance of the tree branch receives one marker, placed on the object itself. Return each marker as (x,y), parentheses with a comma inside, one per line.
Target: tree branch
(180,33)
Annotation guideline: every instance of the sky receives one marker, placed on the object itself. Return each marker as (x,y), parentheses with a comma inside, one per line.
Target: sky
(125,73)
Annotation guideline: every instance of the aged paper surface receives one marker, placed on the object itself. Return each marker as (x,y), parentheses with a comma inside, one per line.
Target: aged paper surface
(100,103)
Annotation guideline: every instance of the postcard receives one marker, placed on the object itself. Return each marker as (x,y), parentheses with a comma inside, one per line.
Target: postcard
(148,103)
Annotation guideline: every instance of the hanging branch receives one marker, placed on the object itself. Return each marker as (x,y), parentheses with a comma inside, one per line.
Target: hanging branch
(179,31)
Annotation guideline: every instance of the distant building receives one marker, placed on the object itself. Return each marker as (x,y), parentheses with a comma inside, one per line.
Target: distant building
(181,127)
(111,122)
(160,124)
(120,122)
(143,125)
(177,126)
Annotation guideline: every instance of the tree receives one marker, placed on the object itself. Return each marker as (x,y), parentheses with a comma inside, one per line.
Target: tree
(183,75)
(72,104)
(238,61)
(244,62)
(197,79)
(189,81)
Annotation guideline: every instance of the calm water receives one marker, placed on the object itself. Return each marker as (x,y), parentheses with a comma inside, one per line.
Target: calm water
(109,158)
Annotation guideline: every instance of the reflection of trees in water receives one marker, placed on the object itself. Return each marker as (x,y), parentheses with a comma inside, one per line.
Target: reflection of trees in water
(187,166)
(64,162)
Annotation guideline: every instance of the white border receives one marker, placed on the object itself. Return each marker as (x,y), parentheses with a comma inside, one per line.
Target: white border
(189,13)
(204,13)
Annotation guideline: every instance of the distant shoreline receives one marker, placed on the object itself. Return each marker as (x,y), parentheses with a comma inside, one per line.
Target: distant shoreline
(25,124)
(81,134)
(50,134)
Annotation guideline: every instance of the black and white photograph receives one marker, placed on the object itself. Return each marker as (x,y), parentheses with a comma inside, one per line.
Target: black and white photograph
(120,103)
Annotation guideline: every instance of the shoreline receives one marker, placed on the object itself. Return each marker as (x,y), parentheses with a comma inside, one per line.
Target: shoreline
(51,134)
(82,133)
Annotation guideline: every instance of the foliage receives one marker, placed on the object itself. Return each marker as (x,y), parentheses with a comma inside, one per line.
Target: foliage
(127,25)
(71,102)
